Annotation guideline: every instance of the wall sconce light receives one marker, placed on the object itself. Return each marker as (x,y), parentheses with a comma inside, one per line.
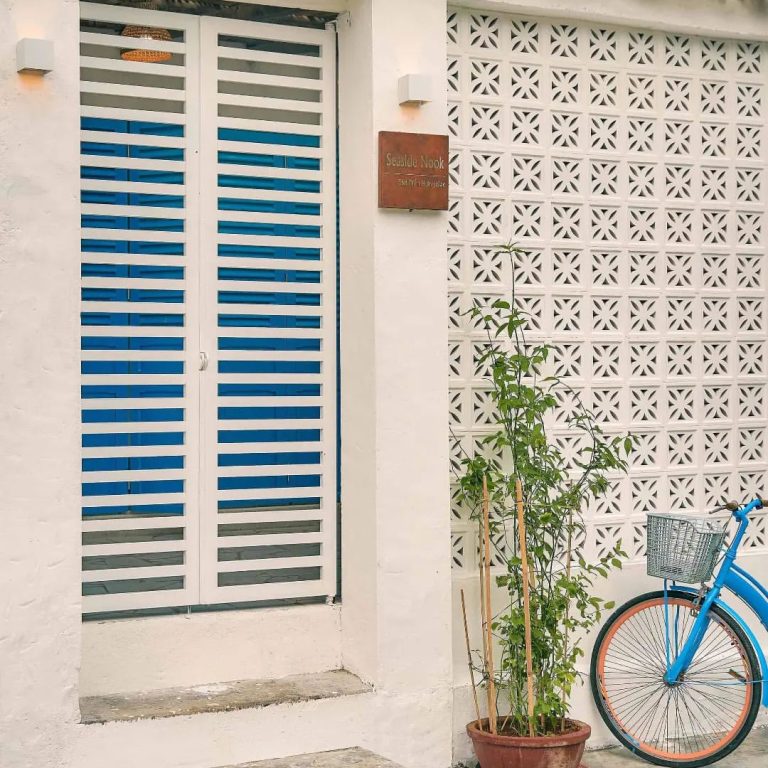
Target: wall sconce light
(414,89)
(34,56)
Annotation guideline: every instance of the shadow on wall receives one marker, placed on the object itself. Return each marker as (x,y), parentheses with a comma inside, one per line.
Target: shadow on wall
(758,5)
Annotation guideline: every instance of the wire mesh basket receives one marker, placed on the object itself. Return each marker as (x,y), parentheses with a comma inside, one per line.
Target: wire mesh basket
(683,547)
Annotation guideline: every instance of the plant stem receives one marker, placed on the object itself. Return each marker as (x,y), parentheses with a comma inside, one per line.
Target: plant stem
(469,660)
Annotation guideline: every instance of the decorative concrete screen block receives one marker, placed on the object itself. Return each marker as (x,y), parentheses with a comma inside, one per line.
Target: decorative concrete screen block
(630,166)
(208,258)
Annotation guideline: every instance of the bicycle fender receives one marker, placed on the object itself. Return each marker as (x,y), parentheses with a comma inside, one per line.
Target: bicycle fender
(747,631)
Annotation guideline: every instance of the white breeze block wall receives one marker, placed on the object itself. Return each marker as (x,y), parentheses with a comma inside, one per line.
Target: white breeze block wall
(39,380)
(626,154)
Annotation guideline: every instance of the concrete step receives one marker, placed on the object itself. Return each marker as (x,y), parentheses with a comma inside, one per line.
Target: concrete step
(220,697)
(338,758)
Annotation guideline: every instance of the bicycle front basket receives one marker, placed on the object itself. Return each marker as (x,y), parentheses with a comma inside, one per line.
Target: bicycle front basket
(683,547)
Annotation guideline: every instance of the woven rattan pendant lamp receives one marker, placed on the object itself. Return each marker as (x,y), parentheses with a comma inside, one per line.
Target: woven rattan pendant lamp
(146,33)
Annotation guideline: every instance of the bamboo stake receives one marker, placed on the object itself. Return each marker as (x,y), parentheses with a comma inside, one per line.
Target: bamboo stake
(526,604)
(491,689)
(483,633)
(469,661)
(568,604)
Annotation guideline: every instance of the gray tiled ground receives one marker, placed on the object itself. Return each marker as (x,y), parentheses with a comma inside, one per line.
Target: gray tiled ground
(340,758)
(753,753)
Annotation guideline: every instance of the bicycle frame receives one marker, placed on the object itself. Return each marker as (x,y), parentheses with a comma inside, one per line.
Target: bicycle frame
(735,580)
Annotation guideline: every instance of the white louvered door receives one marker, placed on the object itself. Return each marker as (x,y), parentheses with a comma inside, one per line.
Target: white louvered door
(208,312)
(139,263)
(268,212)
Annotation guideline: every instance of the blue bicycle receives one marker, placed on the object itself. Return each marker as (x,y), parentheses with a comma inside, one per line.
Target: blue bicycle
(677,674)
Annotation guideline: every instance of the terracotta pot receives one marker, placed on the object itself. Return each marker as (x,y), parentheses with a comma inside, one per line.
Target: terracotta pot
(562,751)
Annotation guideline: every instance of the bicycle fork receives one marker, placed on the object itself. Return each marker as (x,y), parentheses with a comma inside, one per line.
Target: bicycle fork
(680,658)
(678,666)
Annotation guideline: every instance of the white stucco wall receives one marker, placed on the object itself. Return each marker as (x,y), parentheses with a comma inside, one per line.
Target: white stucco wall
(396,613)
(397,623)
(39,391)
(191,649)
(394,627)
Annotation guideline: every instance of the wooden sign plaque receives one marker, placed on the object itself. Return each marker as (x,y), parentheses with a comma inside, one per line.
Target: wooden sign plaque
(413,171)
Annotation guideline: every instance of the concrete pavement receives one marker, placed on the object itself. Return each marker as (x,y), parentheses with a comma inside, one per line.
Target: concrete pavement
(753,753)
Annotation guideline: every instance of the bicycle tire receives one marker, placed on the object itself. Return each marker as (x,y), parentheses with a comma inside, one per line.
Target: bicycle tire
(645,751)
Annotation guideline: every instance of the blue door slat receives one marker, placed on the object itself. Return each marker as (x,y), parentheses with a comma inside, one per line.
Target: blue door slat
(269,252)
(275,299)
(269,206)
(154,510)
(278,412)
(223,506)
(238,343)
(131,319)
(139,176)
(268,435)
(266,230)
(269,366)
(269,161)
(269,275)
(129,415)
(125,391)
(138,295)
(140,127)
(125,463)
(141,247)
(124,439)
(262,182)
(133,223)
(132,295)
(158,343)
(100,197)
(268,321)
(138,151)
(138,367)
(132,487)
(262,459)
(260,389)
(139,271)
(269,137)
(277,481)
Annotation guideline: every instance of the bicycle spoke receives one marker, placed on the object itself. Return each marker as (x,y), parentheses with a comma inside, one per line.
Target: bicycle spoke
(696,716)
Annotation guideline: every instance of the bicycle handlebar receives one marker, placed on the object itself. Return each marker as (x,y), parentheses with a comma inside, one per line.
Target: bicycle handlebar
(742,510)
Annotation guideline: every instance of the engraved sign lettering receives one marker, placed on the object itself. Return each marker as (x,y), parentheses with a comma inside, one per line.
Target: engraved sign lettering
(413,171)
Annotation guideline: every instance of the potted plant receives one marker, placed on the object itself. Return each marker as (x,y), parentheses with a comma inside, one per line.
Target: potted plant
(527,500)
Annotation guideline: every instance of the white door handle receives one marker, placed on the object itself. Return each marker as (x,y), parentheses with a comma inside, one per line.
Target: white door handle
(203,361)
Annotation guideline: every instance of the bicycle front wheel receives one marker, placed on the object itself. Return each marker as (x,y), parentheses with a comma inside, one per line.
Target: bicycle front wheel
(700,719)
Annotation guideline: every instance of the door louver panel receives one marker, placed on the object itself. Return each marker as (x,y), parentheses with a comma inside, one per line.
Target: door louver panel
(269,295)
(214,485)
